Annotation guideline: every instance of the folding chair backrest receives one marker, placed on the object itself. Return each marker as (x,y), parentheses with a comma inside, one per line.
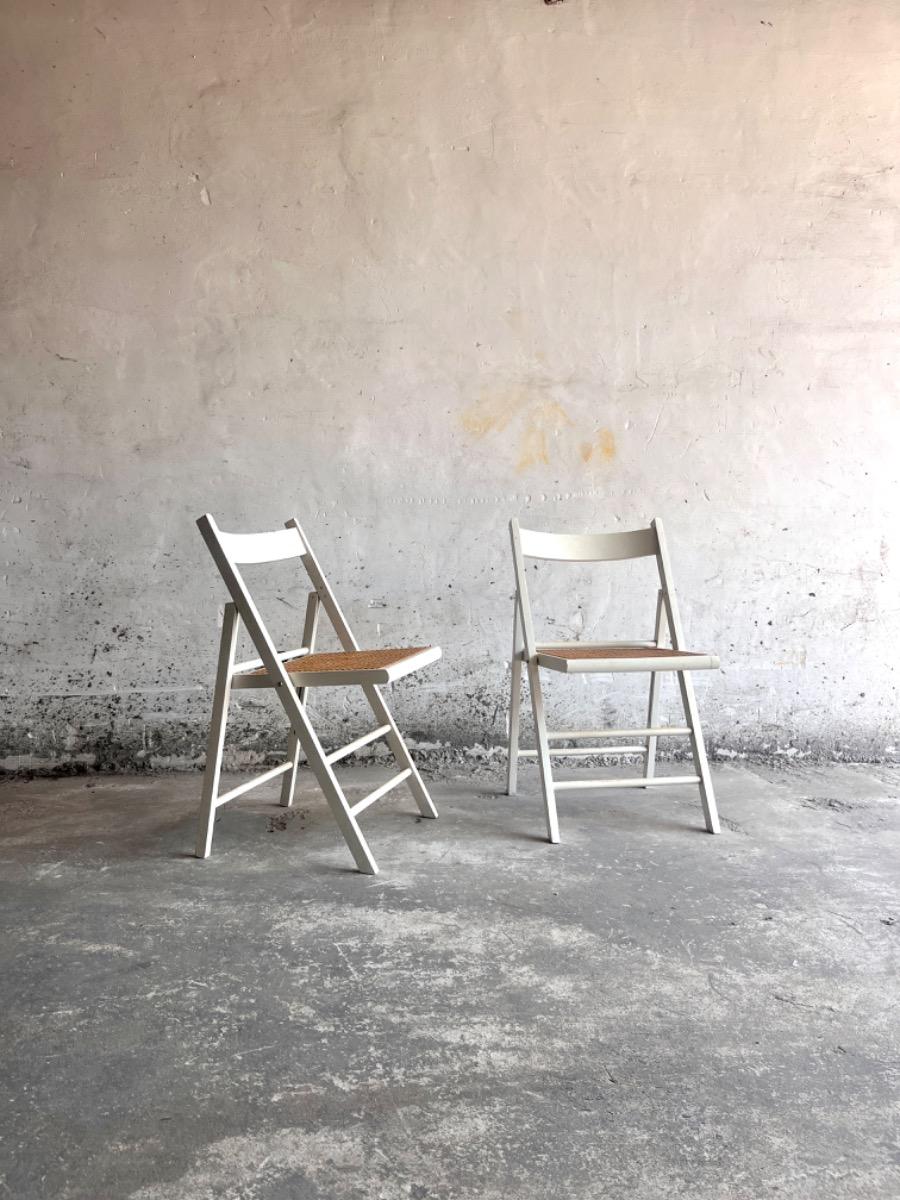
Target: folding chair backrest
(592,547)
(589,547)
(241,548)
(232,550)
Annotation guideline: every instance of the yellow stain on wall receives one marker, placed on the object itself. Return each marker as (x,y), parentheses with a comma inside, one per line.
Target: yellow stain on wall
(602,447)
(544,423)
(492,412)
(532,449)
(539,421)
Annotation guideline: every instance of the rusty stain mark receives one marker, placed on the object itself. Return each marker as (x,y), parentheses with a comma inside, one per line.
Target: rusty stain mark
(541,420)
(544,422)
(532,449)
(492,413)
(602,447)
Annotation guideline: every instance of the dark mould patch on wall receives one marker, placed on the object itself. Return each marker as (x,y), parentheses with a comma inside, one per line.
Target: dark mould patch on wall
(129,734)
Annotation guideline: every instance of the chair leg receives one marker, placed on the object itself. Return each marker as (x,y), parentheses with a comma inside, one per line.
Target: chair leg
(216,740)
(400,751)
(346,821)
(289,781)
(515,706)
(327,781)
(540,726)
(698,749)
(652,706)
(310,626)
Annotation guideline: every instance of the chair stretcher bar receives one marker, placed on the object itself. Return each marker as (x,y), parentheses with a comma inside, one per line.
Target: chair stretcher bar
(252,783)
(578,734)
(362,805)
(352,747)
(581,751)
(654,781)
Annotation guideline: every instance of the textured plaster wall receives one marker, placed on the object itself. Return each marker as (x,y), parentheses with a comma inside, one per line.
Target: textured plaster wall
(405,269)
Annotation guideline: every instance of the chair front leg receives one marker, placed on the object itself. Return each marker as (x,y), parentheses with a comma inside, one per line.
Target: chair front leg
(216,740)
(540,728)
(698,750)
(327,781)
(652,706)
(515,705)
(515,708)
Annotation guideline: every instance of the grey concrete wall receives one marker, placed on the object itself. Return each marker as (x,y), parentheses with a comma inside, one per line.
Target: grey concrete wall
(407,268)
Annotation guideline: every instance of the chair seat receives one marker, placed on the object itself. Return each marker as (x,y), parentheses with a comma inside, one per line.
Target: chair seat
(347,667)
(578,659)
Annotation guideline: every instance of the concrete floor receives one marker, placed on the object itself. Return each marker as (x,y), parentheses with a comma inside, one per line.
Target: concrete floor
(644,1011)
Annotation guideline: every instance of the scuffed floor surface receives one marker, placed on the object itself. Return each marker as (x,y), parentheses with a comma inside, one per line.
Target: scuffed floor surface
(642,1012)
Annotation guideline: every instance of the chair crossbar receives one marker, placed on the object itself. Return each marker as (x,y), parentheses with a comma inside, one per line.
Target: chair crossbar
(362,805)
(352,747)
(252,783)
(578,734)
(583,751)
(654,781)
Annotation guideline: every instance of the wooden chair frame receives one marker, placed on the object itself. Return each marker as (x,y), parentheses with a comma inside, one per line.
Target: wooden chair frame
(282,671)
(571,658)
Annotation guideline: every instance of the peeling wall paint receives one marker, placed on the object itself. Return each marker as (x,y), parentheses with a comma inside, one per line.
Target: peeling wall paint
(405,270)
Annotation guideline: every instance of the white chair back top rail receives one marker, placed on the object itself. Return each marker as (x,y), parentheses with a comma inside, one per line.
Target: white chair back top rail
(239,548)
(588,547)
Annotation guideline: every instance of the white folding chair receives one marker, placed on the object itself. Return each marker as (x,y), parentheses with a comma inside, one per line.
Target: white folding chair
(291,673)
(576,658)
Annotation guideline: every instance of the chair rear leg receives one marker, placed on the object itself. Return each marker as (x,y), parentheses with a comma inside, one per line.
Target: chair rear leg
(216,740)
(698,749)
(515,712)
(400,751)
(540,726)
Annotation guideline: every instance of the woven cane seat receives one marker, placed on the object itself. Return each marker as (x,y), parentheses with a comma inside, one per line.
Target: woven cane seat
(345,667)
(347,660)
